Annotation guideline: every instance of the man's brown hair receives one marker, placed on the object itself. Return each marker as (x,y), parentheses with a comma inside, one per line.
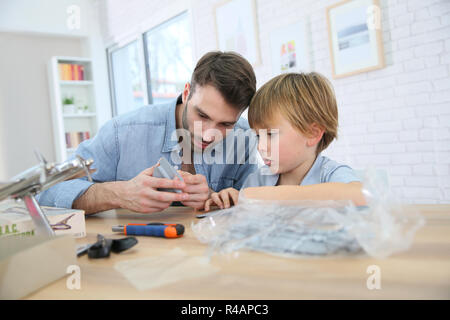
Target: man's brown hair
(228,72)
(303,99)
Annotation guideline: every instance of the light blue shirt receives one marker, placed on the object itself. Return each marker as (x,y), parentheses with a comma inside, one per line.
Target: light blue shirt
(323,170)
(130,143)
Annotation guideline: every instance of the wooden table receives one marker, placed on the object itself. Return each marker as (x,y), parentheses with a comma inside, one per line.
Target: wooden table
(423,272)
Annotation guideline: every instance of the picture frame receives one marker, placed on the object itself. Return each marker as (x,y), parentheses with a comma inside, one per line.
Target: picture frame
(237,28)
(354,33)
(290,48)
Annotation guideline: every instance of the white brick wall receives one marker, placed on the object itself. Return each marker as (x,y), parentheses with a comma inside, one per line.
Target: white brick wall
(396,118)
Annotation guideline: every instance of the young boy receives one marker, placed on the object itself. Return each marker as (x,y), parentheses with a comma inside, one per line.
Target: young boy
(299,113)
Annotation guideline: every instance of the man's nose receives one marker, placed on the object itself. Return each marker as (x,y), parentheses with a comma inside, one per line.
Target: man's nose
(209,135)
(208,138)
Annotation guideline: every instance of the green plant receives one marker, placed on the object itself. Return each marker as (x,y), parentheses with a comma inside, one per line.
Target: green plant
(67,100)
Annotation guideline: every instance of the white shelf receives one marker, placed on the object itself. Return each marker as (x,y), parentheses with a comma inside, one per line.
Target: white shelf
(76,82)
(83,93)
(66,59)
(79,115)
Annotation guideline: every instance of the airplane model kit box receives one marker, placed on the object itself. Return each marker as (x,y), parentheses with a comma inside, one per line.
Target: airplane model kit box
(15,220)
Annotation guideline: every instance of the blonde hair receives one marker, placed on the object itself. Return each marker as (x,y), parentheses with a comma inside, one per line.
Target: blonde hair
(303,99)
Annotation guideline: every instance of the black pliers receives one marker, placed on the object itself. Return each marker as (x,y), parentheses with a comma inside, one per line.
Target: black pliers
(103,247)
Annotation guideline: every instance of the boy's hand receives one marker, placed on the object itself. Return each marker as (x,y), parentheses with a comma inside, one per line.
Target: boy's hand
(222,199)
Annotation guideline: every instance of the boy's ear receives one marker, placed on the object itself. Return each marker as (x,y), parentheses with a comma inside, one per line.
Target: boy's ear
(315,135)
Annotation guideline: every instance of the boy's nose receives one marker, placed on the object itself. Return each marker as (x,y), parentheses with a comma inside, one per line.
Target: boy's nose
(262,148)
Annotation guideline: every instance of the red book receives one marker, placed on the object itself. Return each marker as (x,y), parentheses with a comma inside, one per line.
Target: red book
(72,72)
(81,77)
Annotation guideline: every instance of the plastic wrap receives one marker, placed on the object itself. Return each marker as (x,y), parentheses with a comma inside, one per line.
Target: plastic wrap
(314,228)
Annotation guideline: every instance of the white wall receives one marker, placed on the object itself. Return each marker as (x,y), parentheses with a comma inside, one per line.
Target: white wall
(25,113)
(30,33)
(43,16)
(396,118)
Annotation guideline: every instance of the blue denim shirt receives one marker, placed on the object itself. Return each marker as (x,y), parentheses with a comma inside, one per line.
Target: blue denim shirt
(323,170)
(130,143)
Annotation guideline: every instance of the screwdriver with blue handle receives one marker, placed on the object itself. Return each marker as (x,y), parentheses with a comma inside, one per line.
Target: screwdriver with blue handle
(154,229)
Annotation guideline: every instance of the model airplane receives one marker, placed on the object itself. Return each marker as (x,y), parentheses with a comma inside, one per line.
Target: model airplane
(39,178)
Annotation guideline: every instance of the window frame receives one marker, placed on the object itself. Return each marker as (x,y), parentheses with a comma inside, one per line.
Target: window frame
(144,57)
(146,53)
(109,52)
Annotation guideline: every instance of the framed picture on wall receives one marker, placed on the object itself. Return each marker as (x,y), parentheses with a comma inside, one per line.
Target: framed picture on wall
(236,28)
(290,49)
(354,32)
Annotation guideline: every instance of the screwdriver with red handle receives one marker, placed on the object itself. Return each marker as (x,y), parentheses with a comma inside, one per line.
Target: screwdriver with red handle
(154,229)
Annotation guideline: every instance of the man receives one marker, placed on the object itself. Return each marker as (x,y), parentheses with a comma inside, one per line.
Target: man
(127,147)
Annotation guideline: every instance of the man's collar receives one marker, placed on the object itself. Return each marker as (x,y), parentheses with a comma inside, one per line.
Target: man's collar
(169,143)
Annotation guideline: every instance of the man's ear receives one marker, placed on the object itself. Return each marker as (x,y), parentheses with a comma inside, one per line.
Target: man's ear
(186,92)
(315,135)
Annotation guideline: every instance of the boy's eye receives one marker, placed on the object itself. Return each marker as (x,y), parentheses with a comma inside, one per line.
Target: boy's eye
(268,134)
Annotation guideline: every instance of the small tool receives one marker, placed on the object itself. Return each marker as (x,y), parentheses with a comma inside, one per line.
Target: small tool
(103,247)
(154,229)
(208,214)
(165,170)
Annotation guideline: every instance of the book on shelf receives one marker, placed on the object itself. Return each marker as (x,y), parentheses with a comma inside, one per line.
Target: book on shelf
(16,221)
(70,71)
(73,139)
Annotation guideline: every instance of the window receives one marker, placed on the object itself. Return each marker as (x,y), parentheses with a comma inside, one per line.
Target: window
(163,54)
(126,80)
(168,58)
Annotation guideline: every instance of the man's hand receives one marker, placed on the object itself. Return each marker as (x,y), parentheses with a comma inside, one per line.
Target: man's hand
(197,188)
(222,199)
(140,194)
